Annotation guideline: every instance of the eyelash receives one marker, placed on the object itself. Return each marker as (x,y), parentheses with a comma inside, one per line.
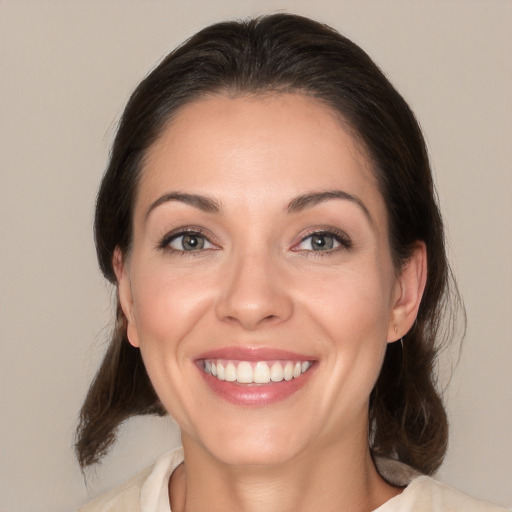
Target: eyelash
(165,242)
(344,241)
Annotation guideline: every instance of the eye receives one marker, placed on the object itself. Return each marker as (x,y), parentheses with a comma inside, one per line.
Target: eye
(324,241)
(319,242)
(186,241)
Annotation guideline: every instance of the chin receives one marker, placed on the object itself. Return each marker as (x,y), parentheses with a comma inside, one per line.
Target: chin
(268,445)
(255,455)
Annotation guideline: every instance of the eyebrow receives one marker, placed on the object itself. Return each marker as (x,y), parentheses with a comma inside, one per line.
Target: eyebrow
(296,205)
(305,201)
(204,203)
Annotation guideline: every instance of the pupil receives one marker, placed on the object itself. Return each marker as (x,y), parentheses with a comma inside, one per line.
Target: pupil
(192,242)
(322,242)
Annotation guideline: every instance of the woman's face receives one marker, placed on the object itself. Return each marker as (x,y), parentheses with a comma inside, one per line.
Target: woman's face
(260,287)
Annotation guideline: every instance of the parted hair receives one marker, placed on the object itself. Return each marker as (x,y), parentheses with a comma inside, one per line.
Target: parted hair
(284,53)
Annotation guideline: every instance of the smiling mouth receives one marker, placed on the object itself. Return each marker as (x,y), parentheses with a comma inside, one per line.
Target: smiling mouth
(254,372)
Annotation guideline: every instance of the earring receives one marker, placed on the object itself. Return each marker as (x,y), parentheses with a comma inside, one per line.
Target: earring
(395,328)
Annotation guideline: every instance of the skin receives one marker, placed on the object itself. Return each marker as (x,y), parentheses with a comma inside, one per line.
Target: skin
(258,283)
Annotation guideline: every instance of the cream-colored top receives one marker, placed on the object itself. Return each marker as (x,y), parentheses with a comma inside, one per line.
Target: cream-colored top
(148,491)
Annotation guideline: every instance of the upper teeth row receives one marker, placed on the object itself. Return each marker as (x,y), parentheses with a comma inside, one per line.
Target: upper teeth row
(260,372)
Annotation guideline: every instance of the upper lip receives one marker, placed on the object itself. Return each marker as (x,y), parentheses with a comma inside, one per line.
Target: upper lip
(254,354)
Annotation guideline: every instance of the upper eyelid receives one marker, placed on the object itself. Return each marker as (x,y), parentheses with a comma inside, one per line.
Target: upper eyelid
(181,231)
(325,231)
(187,230)
(339,234)
(343,238)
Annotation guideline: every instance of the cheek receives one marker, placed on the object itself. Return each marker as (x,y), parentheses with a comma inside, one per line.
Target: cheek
(166,310)
(354,303)
(352,313)
(166,307)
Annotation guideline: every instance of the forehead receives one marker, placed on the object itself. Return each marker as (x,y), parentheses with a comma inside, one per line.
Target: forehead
(244,148)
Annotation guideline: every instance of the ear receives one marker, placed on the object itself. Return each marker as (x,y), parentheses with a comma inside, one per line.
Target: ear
(124,292)
(408,293)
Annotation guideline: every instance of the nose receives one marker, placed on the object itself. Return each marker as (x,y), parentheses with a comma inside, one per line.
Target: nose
(253,293)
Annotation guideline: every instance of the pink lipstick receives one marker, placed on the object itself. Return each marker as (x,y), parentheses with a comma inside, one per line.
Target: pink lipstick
(255,376)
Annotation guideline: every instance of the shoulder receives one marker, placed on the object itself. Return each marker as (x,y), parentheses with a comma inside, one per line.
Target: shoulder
(145,492)
(424,494)
(427,494)
(126,497)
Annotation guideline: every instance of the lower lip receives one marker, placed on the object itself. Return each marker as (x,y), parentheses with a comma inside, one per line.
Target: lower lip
(256,395)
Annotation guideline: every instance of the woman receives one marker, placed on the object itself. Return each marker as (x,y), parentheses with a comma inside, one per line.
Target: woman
(269,220)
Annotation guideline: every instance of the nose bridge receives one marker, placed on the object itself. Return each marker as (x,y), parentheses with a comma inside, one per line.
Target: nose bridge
(252,292)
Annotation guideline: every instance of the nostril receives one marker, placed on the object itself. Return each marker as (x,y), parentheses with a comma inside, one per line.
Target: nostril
(251,322)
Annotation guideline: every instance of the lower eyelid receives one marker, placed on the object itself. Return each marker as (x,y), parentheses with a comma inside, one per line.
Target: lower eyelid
(343,241)
(207,243)
(171,237)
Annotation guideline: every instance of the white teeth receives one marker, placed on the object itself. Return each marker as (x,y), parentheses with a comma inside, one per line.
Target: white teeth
(230,372)
(220,371)
(260,372)
(244,373)
(276,372)
(288,371)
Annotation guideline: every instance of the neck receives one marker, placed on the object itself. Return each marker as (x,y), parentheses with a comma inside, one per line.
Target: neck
(330,479)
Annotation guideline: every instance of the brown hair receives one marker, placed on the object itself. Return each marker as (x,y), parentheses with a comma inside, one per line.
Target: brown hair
(287,53)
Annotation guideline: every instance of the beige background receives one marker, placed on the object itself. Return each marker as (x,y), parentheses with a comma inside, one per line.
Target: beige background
(66,69)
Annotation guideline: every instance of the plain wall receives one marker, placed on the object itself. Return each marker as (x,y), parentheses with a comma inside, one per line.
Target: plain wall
(66,70)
